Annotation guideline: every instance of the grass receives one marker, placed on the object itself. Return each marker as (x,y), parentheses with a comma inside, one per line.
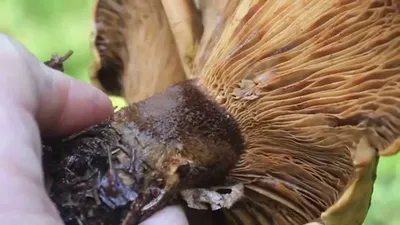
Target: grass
(56,26)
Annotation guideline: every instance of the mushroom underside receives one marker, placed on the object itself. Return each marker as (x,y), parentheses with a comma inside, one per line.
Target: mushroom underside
(314,86)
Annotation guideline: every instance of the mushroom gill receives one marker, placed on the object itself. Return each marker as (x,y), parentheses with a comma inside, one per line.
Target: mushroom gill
(185,22)
(133,46)
(315,87)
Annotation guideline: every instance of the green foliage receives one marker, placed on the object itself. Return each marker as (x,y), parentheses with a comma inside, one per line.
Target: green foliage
(51,26)
(56,26)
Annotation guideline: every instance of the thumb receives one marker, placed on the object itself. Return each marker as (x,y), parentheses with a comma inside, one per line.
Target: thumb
(65,104)
(68,105)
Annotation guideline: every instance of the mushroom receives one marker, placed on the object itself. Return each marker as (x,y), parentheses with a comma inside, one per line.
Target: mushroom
(294,101)
(134,37)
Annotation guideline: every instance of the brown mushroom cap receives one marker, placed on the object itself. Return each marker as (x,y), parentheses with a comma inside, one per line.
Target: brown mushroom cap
(314,86)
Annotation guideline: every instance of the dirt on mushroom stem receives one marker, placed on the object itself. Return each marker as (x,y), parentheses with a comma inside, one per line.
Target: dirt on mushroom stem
(73,167)
(137,161)
(72,170)
(90,186)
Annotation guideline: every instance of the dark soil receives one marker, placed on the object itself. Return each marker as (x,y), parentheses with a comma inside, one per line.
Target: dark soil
(74,168)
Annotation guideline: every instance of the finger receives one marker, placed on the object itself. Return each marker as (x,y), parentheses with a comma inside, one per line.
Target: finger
(23,79)
(15,85)
(68,105)
(22,189)
(170,215)
(65,105)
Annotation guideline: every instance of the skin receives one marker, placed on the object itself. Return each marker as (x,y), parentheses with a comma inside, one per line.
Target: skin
(35,100)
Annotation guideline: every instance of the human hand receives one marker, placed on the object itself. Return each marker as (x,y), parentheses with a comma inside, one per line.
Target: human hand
(34,100)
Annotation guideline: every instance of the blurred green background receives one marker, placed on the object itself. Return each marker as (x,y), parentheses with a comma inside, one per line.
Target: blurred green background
(56,26)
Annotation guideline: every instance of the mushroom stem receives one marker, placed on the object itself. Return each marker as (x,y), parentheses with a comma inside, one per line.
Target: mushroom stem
(177,139)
